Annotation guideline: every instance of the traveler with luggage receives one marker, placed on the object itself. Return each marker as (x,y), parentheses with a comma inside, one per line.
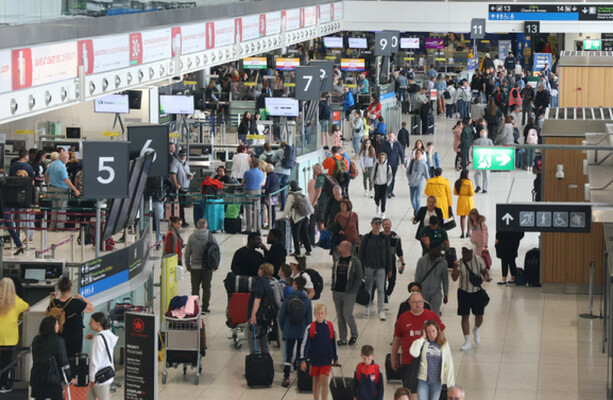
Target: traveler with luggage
(276,253)
(49,362)
(482,176)
(358,130)
(433,235)
(381,176)
(299,210)
(199,245)
(271,186)
(284,161)
(247,260)
(466,142)
(262,309)
(368,378)
(347,274)
(424,213)
(319,347)
(436,363)
(173,242)
(101,364)
(507,244)
(449,98)
(180,177)
(294,317)
(431,273)
(345,227)
(68,310)
(395,158)
(11,307)
(396,251)
(478,229)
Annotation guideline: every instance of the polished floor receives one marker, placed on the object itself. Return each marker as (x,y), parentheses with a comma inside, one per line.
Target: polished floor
(534,344)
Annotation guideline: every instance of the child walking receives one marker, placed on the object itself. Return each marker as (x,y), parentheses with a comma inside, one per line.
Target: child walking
(367,380)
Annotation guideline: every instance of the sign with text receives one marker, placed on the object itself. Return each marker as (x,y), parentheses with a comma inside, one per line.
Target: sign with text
(255,63)
(352,64)
(592,44)
(550,12)
(149,46)
(292,19)
(191,39)
(326,69)
(273,23)
(105,169)
(141,356)
(532,27)
(33,66)
(308,83)
(494,158)
(472,63)
(539,60)
(287,64)
(435,43)
(383,43)
(409,43)
(5,71)
(544,217)
(146,138)
(103,54)
(477,28)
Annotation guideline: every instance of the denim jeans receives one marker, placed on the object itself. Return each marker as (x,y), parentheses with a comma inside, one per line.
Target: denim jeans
(10,226)
(450,108)
(428,390)
(158,213)
(283,182)
(261,335)
(415,197)
(356,143)
(300,234)
(367,180)
(377,274)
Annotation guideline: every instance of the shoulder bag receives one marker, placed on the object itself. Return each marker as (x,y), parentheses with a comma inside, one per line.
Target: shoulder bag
(450,223)
(108,372)
(339,237)
(477,281)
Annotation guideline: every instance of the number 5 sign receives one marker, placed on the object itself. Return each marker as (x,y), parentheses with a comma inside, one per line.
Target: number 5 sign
(308,83)
(105,170)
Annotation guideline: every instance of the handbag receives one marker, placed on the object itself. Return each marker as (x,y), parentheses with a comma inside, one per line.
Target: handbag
(108,372)
(362,297)
(450,222)
(487,258)
(484,298)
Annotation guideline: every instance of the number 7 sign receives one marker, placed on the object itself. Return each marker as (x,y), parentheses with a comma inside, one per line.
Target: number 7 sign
(308,83)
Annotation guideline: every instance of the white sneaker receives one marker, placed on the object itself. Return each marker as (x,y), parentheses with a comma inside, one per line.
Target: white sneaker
(466,346)
(386,307)
(477,336)
(365,194)
(367,311)
(382,215)
(371,195)
(382,315)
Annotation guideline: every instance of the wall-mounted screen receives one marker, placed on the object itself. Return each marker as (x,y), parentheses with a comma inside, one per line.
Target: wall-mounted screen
(435,43)
(357,43)
(333,42)
(255,63)
(287,64)
(281,106)
(176,104)
(352,64)
(409,43)
(112,104)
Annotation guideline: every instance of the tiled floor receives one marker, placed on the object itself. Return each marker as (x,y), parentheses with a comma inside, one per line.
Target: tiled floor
(534,345)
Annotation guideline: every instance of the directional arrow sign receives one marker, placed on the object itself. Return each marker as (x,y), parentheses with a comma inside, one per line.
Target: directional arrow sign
(494,158)
(507,218)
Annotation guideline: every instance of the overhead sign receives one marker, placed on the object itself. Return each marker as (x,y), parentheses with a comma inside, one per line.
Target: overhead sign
(472,63)
(592,44)
(150,46)
(105,169)
(550,12)
(33,66)
(188,39)
(494,158)
(544,217)
(477,28)
(146,138)
(352,64)
(141,356)
(255,63)
(435,43)
(326,70)
(409,43)
(281,106)
(5,71)
(532,27)
(287,64)
(384,43)
(308,83)
(106,53)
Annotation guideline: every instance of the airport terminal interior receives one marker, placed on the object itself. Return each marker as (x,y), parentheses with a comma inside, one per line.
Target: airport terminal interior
(125,123)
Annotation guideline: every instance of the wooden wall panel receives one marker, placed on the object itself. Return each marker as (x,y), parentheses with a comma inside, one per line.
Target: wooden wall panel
(555,190)
(595,84)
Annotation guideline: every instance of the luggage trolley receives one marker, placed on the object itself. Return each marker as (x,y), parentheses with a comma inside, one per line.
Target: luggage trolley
(182,345)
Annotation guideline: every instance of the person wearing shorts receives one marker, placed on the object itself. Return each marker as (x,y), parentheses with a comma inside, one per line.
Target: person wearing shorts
(319,347)
(469,298)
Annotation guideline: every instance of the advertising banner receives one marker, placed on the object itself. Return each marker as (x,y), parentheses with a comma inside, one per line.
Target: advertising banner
(150,46)
(409,43)
(192,38)
(435,43)
(504,48)
(168,285)
(292,20)
(539,60)
(5,71)
(352,64)
(338,11)
(273,23)
(224,32)
(472,63)
(255,63)
(287,64)
(249,28)
(141,356)
(324,13)
(103,54)
(33,66)
(309,17)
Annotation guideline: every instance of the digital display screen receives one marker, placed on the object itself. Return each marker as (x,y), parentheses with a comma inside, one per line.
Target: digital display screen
(333,42)
(176,104)
(281,106)
(357,43)
(112,104)
(409,43)
(35,274)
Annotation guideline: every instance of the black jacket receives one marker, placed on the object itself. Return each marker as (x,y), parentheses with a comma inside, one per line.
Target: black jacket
(369,250)
(276,256)
(542,100)
(404,137)
(508,243)
(248,127)
(46,378)
(247,261)
(421,213)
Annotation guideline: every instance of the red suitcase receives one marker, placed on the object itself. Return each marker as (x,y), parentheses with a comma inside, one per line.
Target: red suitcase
(237,310)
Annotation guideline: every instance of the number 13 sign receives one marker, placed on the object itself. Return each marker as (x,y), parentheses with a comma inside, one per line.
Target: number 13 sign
(105,170)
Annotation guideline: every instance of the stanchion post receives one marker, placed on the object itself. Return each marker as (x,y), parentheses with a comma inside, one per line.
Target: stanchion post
(82,243)
(53,251)
(43,236)
(590,315)
(98,234)
(72,249)
(270,220)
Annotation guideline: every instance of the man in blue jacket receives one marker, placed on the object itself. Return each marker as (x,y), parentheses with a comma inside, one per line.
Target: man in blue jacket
(395,157)
(348,102)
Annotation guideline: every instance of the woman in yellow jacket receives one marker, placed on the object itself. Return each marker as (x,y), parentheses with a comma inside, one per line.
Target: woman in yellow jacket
(439,188)
(463,187)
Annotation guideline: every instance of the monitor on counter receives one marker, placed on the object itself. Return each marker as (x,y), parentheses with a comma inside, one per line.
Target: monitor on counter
(176,104)
(281,106)
(409,43)
(37,274)
(357,43)
(112,104)
(333,42)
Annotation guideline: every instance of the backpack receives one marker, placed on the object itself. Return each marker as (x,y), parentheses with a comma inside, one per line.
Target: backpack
(268,310)
(325,112)
(58,313)
(211,257)
(303,204)
(289,157)
(447,95)
(532,137)
(328,188)
(314,325)
(340,170)
(353,170)
(295,311)
(318,282)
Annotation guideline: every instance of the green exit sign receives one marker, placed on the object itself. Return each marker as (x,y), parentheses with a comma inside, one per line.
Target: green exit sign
(494,158)
(592,44)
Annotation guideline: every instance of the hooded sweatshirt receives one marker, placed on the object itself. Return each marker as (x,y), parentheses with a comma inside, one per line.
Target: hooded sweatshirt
(98,357)
(417,172)
(432,284)
(381,173)
(196,244)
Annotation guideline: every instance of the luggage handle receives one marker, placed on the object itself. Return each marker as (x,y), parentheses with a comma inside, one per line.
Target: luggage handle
(342,375)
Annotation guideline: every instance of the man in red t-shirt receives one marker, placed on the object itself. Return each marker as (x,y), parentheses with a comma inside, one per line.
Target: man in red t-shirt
(408,329)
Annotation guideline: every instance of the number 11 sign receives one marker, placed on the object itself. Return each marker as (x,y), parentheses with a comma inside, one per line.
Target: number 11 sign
(477,28)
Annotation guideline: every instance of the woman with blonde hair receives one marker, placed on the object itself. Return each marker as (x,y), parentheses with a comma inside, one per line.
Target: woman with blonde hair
(478,229)
(436,363)
(11,307)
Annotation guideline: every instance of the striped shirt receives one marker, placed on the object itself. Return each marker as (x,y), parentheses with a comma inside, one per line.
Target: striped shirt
(475,265)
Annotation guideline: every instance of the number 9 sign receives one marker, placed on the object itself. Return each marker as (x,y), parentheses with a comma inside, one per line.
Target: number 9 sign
(105,170)
(386,43)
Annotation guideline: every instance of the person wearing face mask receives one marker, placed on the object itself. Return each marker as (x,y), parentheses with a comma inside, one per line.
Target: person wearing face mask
(381,178)
(417,173)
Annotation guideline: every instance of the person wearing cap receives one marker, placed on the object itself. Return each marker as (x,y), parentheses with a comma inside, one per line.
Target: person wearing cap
(180,177)
(433,235)
(252,184)
(376,256)
(240,163)
(469,295)
(299,209)
(431,273)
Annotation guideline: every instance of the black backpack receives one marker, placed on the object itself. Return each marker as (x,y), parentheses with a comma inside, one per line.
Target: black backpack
(295,311)
(211,258)
(268,310)
(328,188)
(318,282)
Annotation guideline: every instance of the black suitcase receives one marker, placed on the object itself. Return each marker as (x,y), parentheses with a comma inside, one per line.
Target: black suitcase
(390,374)
(430,124)
(341,388)
(286,233)
(532,267)
(415,127)
(406,107)
(259,368)
(305,380)
(232,225)
(79,366)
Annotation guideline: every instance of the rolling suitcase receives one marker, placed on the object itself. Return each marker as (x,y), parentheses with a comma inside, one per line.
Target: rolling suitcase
(286,233)
(430,124)
(259,368)
(305,380)
(232,225)
(415,127)
(532,267)
(341,388)
(214,214)
(390,374)
(79,366)
(237,308)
